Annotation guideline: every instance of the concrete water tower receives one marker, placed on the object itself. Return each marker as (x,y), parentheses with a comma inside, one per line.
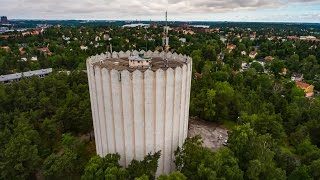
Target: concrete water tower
(140,109)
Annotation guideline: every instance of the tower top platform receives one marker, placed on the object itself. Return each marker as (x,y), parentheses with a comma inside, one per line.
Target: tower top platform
(121,61)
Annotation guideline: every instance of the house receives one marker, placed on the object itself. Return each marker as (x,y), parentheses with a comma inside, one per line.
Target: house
(293,38)
(25,33)
(6,48)
(220,56)
(4,36)
(269,58)
(57,26)
(22,51)
(307,88)
(84,48)
(284,71)
(33,32)
(23,59)
(97,38)
(307,38)
(37,32)
(188,32)
(66,38)
(245,66)
(136,25)
(198,75)
(313,47)
(297,77)
(243,53)
(106,37)
(223,39)
(34,58)
(253,54)
(4,29)
(253,36)
(45,51)
(231,47)
(183,40)
(18,76)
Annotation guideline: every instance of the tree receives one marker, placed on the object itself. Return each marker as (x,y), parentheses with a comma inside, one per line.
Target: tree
(20,158)
(277,67)
(314,169)
(296,92)
(67,163)
(108,168)
(266,124)
(75,114)
(197,162)
(255,153)
(148,166)
(293,63)
(209,53)
(257,66)
(224,99)
(173,176)
(209,108)
(104,168)
(300,173)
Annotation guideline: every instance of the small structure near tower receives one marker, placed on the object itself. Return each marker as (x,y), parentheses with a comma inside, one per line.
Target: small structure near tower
(139,61)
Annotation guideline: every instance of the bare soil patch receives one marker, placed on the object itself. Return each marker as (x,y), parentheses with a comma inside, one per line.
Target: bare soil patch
(213,135)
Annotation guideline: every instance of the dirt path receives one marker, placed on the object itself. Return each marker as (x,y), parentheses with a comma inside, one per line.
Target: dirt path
(212,134)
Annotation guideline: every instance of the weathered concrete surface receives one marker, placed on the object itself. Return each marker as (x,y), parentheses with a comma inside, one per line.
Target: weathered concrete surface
(136,112)
(212,134)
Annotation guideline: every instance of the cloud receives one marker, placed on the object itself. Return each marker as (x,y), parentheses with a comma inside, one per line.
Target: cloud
(145,9)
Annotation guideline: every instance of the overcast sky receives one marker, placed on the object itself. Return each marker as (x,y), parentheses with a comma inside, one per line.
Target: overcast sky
(190,10)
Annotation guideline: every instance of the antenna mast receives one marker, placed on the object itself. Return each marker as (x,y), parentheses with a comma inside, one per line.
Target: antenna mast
(166,18)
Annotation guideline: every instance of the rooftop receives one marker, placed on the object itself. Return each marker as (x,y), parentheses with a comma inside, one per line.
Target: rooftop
(120,60)
(302,84)
(11,77)
(121,64)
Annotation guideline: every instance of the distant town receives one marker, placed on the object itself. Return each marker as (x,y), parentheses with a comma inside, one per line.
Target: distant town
(228,33)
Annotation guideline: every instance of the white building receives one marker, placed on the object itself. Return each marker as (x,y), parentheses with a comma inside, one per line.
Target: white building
(18,76)
(97,38)
(183,40)
(34,58)
(23,59)
(253,54)
(84,48)
(139,111)
(136,25)
(307,37)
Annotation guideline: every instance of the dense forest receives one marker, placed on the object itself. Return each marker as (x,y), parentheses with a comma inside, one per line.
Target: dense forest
(46,124)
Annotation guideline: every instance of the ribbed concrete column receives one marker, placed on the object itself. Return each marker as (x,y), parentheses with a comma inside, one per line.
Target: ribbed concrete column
(139,112)
(160,115)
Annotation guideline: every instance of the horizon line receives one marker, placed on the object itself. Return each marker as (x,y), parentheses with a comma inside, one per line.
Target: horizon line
(223,21)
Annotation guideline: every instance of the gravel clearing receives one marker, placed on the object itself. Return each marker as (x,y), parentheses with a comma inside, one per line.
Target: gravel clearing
(213,135)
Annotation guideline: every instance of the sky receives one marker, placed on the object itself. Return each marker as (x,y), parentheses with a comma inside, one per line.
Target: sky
(178,10)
